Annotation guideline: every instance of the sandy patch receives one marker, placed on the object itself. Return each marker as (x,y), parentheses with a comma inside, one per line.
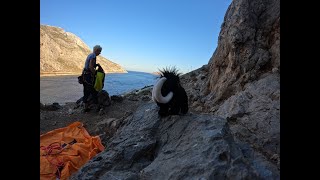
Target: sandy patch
(60,89)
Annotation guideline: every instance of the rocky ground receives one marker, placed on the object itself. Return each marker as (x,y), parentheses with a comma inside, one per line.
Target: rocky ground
(67,111)
(53,116)
(234,105)
(120,120)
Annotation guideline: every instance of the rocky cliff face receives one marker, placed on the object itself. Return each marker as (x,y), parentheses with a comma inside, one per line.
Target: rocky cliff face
(248,47)
(233,128)
(64,53)
(242,79)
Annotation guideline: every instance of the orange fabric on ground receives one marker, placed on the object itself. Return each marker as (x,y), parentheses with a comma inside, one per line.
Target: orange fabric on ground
(63,151)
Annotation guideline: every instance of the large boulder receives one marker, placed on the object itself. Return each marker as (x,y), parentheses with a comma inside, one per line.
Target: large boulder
(193,146)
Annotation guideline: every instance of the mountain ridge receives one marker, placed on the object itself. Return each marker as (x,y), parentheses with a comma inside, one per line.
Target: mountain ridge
(64,53)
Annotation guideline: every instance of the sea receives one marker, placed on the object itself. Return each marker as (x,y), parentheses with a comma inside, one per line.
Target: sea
(121,83)
(63,89)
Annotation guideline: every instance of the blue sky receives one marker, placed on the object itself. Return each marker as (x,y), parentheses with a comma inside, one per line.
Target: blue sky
(143,35)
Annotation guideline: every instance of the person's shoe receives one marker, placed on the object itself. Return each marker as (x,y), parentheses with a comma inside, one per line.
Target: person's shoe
(85,108)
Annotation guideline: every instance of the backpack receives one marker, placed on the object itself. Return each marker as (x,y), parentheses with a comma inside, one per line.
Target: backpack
(99,79)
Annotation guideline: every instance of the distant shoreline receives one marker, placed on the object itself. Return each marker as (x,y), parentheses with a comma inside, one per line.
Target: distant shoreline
(50,74)
(59,74)
(64,87)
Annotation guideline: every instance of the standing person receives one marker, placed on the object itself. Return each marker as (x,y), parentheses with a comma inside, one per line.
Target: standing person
(89,72)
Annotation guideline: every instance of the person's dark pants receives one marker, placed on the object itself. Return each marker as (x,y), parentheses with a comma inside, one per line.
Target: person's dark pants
(89,89)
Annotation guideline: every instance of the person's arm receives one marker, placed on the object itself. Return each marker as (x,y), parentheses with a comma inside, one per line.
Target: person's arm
(92,66)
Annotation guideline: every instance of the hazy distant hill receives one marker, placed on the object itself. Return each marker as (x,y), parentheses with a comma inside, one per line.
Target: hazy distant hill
(63,52)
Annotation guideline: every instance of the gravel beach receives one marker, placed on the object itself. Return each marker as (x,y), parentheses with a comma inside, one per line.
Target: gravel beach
(60,89)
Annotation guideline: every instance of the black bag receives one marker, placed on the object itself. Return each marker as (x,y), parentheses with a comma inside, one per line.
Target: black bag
(80,79)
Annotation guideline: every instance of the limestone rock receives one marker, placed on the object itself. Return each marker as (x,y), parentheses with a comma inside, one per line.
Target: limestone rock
(63,52)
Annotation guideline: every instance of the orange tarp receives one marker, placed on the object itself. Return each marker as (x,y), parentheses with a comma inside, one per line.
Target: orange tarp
(63,151)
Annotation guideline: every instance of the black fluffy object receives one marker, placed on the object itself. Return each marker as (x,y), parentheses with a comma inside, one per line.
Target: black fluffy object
(179,102)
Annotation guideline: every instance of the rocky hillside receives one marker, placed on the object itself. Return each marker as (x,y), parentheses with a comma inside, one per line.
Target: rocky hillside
(64,53)
(242,79)
(233,128)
